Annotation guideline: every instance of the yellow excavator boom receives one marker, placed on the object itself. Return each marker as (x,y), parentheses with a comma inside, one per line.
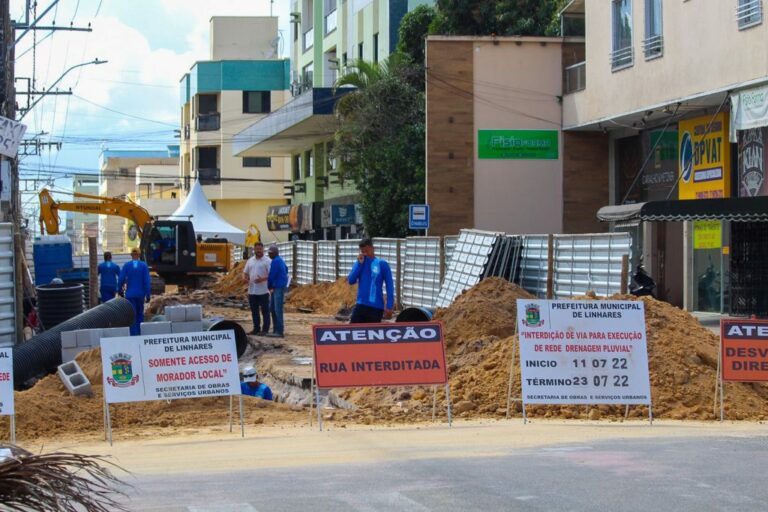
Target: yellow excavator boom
(49,210)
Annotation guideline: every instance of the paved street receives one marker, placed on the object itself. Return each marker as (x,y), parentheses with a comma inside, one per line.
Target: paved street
(537,467)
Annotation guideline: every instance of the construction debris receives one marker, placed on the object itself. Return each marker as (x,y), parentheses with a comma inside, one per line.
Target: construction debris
(322,298)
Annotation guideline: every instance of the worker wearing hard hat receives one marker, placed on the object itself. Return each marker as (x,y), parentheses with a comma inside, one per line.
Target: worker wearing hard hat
(251,385)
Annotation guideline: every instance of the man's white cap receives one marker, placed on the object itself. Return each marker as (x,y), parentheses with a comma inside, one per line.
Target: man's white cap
(249,374)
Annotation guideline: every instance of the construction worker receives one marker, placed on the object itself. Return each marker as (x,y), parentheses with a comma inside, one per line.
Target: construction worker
(108,274)
(277,282)
(370,273)
(251,385)
(134,285)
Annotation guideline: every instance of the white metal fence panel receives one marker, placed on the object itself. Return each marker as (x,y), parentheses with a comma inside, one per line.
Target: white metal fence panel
(7,287)
(389,249)
(288,253)
(589,262)
(533,264)
(327,261)
(421,271)
(348,250)
(449,244)
(467,264)
(29,258)
(305,262)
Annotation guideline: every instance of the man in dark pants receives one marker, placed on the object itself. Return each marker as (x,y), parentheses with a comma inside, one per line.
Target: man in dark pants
(256,272)
(134,284)
(370,273)
(109,273)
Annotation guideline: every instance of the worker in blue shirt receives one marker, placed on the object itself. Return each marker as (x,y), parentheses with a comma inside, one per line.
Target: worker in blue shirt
(108,275)
(277,282)
(370,272)
(251,385)
(134,285)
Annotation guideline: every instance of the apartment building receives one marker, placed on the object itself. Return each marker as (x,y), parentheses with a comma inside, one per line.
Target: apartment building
(120,176)
(83,225)
(244,81)
(680,90)
(327,37)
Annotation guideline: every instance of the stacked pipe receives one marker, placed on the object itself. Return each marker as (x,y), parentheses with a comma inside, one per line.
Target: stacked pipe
(42,354)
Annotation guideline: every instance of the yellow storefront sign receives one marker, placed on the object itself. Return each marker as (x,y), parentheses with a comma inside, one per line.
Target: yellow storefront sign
(704,158)
(707,234)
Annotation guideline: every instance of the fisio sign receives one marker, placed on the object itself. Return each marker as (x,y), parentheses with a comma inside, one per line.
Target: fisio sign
(705,158)
(379,354)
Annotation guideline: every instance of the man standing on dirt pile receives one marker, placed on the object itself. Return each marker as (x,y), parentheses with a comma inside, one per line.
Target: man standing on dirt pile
(277,283)
(135,274)
(370,273)
(108,275)
(256,272)
(251,385)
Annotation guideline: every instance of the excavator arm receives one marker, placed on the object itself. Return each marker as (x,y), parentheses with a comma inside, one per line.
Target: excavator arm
(49,210)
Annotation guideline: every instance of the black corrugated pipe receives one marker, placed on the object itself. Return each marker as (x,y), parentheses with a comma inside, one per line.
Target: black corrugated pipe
(241,339)
(42,354)
(57,303)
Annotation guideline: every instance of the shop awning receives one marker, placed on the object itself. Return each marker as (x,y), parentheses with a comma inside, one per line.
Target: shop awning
(737,209)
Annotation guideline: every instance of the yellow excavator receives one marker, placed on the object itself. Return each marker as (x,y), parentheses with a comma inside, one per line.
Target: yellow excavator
(169,247)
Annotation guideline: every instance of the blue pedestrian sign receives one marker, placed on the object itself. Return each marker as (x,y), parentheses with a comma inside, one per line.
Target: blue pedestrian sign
(418,216)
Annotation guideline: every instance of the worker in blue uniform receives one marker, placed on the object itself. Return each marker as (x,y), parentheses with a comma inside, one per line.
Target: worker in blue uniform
(108,274)
(251,386)
(134,285)
(370,273)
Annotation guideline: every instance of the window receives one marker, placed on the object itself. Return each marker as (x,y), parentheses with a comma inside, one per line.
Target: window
(330,16)
(621,56)
(653,44)
(360,51)
(207,104)
(749,13)
(310,164)
(257,161)
(257,102)
(376,47)
(307,21)
(296,167)
(207,157)
(344,61)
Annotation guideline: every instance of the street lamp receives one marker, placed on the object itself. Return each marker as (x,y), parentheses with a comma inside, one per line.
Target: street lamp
(94,61)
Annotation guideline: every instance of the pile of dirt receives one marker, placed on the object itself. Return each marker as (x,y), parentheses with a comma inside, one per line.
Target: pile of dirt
(479,325)
(322,298)
(231,283)
(47,410)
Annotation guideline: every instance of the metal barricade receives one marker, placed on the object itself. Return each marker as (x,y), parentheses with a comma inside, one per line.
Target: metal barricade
(306,253)
(389,250)
(421,271)
(327,261)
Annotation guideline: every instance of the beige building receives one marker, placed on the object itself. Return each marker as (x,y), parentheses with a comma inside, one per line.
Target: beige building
(497,158)
(119,176)
(243,81)
(83,225)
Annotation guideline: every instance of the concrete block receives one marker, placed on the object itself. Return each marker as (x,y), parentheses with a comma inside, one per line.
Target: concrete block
(88,337)
(74,379)
(181,327)
(155,328)
(115,332)
(176,313)
(68,354)
(69,339)
(194,313)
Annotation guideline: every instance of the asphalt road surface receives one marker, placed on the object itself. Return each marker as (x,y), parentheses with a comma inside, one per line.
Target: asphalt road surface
(475,468)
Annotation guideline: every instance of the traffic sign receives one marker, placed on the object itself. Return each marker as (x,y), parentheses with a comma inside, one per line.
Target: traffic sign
(418,216)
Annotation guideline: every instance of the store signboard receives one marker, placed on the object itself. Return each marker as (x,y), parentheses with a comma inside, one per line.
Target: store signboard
(660,173)
(343,214)
(753,161)
(704,158)
(707,234)
(518,144)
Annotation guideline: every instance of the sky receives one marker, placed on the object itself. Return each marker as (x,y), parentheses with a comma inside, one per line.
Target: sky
(129,102)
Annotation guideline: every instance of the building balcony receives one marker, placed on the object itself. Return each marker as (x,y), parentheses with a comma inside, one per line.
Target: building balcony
(208,122)
(209,176)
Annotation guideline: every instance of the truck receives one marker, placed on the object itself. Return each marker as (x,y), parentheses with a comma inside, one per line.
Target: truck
(170,247)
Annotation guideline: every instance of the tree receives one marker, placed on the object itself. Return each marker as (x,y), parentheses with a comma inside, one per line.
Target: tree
(499,17)
(380,142)
(414,27)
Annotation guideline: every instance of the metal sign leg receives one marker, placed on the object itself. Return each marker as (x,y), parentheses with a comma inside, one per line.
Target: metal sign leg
(511,373)
(109,425)
(525,416)
(242,421)
(319,414)
(434,402)
(13,429)
(231,399)
(448,403)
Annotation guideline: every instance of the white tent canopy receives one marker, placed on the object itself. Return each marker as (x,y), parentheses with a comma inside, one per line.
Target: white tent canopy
(206,221)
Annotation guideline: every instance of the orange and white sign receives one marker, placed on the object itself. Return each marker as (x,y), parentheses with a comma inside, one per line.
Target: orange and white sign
(6,382)
(744,345)
(384,354)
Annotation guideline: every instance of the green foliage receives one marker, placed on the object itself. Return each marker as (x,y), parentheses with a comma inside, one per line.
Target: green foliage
(380,142)
(499,17)
(414,27)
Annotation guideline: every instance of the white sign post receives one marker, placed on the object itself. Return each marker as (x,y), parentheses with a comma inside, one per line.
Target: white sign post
(583,352)
(6,388)
(169,366)
(11,133)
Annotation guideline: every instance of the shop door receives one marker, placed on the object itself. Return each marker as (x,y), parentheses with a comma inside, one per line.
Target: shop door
(710,264)
(749,269)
